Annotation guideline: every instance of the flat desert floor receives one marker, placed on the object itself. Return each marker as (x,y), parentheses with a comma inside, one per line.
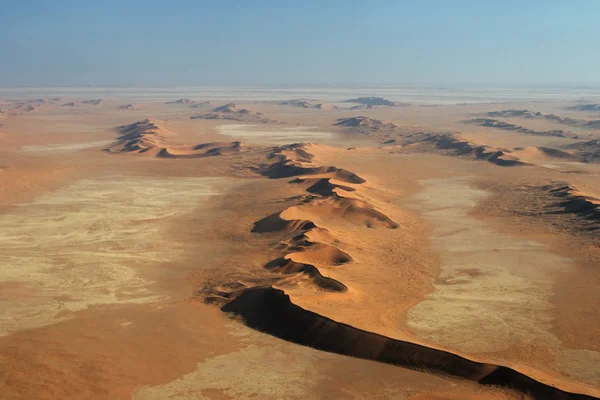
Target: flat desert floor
(299,244)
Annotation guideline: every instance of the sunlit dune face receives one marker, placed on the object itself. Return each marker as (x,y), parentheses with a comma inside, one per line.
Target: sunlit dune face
(88,244)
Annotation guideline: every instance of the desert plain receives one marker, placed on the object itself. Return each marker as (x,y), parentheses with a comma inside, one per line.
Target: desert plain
(227,243)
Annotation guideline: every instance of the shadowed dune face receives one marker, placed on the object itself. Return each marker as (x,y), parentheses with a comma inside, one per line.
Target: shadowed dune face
(586,107)
(140,137)
(365,123)
(562,198)
(455,145)
(593,124)
(287,266)
(270,310)
(86,244)
(372,101)
(493,123)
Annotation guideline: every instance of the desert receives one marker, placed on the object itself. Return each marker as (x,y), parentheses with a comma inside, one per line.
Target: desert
(426,257)
(277,200)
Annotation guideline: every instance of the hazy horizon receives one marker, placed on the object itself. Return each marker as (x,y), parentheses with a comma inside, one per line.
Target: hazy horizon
(265,43)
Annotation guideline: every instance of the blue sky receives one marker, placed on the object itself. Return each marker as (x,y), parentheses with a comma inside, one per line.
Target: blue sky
(267,42)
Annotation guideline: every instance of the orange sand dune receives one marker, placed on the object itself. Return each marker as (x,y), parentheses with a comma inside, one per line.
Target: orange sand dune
(286,266)
(271,310)
(149,138)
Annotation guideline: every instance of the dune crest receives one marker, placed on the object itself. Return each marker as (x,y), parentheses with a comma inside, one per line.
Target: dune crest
(454,144)
(181,101)
(307,246)
(373,101)
(587,150)
(128,107)
(149,138)
(585,107)
(294,160)
(365,122)
(23,108)
(582,123)
(494,123)
(231,111)
(306,104)
(564,199)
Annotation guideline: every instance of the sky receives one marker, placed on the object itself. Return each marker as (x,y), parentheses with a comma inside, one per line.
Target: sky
(296,43)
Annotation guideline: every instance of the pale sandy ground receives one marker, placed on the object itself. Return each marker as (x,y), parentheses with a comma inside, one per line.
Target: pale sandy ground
(103,257)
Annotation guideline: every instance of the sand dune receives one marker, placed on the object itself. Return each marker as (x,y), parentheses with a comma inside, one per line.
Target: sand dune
(43,101)
(230,108)
(276,223)
(181,101)
(494,123)
(140,137)
(217,116)
(322,186)
(287,266)
(350,210)
(567,199)
(22,108)
(232,112)
(306,104)
(534,155)
(585,107)
(303,249)
(588,150)
(270,310)
(364,122)
(582,123)
(454,144)
(306,244)
(128,107)
(94,102)
(372,101)
(293,160)
(203,150)
(149,138)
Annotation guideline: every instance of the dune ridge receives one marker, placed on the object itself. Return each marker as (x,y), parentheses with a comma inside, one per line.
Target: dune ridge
(373,101)
(128,107)
(306,104)
(567,199)
(585,107)
(23,108)
(494,123)
(593,124)
(365,123)
(454,144)
(308,247)
(148,137)
(588,150)
(294,160)
(270,310)
(231,111)
(181,101)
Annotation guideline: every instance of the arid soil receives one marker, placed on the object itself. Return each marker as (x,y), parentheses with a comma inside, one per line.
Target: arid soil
(361,247)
